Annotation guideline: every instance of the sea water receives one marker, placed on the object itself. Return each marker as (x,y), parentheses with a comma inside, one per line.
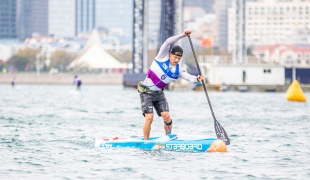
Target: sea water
(46,131)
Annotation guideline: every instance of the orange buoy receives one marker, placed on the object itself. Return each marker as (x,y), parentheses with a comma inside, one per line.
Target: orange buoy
(217,146)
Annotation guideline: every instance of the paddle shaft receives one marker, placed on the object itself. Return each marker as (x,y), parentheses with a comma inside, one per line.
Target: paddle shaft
(199,71)
(219,130)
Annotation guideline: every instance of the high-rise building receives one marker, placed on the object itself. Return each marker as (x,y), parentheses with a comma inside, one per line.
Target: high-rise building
(85,15)
(207,5)
(19,19)
(32,17)
(154,15)
(221,10)
(115,14)
(61,15)
(273,22)
(68,18)
(8,19)
(72,17)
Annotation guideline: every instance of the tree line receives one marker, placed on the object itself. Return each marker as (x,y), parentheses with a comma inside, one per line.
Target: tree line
(26,60)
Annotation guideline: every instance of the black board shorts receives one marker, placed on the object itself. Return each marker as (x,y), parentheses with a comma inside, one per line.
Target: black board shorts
(156,100)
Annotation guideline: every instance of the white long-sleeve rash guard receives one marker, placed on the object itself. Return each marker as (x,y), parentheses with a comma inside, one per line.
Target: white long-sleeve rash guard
(154,78)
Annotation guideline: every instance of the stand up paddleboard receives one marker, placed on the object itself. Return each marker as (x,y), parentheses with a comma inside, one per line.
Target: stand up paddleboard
(171,142)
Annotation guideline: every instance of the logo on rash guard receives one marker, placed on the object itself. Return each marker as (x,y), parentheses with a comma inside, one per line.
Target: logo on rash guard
(165,66)
(163,77)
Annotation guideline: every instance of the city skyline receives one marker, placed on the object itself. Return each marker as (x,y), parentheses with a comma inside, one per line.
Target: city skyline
(68,18)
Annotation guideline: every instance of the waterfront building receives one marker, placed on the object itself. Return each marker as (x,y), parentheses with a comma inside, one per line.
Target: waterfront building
(220,70)
(274,22)
(8,49)
(284,54)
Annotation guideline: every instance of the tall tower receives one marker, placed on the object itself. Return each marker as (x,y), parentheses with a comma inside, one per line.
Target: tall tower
(169,19)
(239,49)
(138,33)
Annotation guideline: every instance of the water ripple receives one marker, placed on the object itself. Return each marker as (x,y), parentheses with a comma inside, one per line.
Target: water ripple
(48,133)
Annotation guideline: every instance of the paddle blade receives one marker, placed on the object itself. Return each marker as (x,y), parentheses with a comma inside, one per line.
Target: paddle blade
(220,132)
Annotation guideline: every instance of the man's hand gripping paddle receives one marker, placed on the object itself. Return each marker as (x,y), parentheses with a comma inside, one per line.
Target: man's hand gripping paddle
(219,130)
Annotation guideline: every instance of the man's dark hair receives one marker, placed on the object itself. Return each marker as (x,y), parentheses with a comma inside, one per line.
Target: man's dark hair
(177,50)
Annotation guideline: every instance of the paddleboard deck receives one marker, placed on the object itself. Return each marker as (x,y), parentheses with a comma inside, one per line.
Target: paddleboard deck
(170,142)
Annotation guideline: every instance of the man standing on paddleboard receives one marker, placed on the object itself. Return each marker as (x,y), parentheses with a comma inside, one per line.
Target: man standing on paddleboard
(78,82)
(164,69)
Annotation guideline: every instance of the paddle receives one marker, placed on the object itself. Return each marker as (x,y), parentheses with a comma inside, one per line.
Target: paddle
(219,130)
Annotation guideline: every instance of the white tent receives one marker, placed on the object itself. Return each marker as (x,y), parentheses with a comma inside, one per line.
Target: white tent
(94,56)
